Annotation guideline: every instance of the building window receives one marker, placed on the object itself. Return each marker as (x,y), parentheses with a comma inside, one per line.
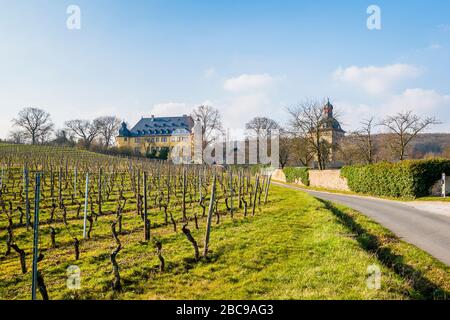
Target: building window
(164,139)
(157,139)
(125,139)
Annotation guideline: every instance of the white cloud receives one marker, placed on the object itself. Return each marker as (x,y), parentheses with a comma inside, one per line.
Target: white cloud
(248,82)
(236,111)
(350,115)
(251,97)
(377,80)
(240,110)
(423,102)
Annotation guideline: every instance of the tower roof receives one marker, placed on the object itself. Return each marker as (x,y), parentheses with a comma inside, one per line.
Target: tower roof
(330,122)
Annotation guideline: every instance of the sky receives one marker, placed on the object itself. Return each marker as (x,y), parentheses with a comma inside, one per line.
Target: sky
(245,58)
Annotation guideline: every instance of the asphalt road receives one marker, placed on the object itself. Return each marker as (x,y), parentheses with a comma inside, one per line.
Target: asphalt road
(426,230)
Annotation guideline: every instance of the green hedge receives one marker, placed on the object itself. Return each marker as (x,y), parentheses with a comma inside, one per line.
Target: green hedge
(406,179)
(293,174)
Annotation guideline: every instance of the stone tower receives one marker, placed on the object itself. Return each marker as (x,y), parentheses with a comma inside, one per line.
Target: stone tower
(331,132)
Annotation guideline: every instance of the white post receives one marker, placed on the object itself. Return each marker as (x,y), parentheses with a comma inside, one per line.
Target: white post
(85,205)
(444,191)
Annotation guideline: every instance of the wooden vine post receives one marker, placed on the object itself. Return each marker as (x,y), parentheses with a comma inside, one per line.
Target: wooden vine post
(100,172)
(231,191)
(60,199)
(256,193)
(117,286)
(146,221)
(75,182)
(138,193)
(267,188)
(27,198)
(240,188)
(184,194)
(36,237)
(85,206)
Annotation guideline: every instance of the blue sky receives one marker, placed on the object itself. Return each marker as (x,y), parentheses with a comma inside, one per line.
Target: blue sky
(246,58)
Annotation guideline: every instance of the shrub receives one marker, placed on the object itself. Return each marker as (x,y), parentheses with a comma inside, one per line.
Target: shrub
(406,179)
(299,173)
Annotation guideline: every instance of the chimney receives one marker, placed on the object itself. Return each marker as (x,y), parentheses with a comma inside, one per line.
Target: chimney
(153,117)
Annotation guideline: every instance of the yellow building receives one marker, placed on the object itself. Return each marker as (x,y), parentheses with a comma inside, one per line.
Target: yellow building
(155,134)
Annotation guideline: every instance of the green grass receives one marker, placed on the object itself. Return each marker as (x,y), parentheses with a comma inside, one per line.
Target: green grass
(441,199)
(295,247)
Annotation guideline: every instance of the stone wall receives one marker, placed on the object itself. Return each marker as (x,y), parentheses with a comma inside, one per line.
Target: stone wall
(328,179)
(278,175)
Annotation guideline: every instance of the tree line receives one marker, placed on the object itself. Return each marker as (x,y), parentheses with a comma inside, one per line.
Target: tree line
(35,126)
(303,139)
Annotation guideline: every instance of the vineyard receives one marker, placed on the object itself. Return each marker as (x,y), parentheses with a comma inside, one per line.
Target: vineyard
(75,195)
(78,225)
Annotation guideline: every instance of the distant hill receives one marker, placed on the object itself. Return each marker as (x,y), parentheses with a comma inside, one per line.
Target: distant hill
(423,146)
(428,143)
(432,142)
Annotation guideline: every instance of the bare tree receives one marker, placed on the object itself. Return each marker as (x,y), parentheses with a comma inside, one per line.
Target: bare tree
(261,126)
(86,131)
(108,128)
(301,152)
(35,123)
(284,148)
(405,126)
(363,139)
(307,122)
(17,137)
(210,121)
